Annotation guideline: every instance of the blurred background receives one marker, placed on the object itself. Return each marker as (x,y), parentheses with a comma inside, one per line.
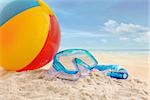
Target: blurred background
(103,24)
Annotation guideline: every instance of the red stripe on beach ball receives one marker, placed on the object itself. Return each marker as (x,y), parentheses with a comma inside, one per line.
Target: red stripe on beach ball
(50,48)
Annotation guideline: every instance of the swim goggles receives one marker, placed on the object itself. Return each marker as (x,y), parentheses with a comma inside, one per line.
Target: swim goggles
(72,64)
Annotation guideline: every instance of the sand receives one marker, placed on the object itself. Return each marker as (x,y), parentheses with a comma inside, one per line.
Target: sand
(28,85)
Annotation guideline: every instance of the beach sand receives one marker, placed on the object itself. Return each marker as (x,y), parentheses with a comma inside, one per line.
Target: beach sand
(28,85)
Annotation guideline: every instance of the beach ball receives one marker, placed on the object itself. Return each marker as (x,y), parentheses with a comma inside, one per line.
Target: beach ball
(29,34)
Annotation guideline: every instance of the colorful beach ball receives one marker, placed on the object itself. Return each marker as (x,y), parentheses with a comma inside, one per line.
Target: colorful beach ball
(29,34)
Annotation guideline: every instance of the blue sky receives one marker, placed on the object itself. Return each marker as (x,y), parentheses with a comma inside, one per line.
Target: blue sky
(103,24)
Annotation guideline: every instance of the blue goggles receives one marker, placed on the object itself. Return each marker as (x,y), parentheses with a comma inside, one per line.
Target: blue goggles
(72,64)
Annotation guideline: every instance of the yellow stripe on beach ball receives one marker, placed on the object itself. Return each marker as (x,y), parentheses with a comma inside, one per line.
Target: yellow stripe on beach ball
(20,45)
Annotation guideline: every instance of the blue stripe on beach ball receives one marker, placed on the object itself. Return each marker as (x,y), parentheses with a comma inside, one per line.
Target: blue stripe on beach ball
(10,8)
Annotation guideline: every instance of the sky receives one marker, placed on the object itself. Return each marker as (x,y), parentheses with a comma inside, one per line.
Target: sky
(103,24)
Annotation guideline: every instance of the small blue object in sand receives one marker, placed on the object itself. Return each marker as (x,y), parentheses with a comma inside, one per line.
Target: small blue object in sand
(113,71)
